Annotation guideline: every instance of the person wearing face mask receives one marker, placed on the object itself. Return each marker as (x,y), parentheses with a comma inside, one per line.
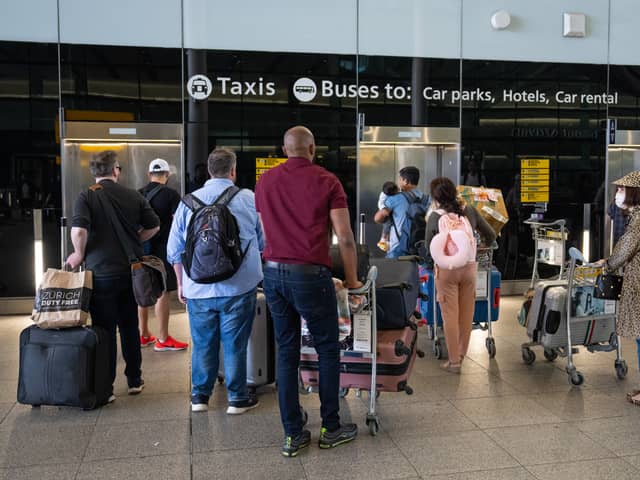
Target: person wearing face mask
(618,214)
(626,255)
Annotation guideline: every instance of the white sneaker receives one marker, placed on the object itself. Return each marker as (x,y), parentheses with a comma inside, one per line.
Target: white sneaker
(111,399)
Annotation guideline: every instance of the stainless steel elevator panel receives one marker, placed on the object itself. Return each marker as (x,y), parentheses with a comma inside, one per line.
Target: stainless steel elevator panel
(135,144)
(621,160)
(386,150)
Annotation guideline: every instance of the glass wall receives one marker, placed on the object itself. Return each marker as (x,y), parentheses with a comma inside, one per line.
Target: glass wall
(506,111)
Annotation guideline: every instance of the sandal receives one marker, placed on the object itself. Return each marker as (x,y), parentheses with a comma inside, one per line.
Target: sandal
(632,394)
(450,367)
(635,399)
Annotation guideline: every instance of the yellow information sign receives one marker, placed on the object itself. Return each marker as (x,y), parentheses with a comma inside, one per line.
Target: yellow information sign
(535,163)
(534,180)
(534,197)
(264,164)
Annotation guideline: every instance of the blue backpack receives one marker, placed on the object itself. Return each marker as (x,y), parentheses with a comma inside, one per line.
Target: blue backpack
(412,234)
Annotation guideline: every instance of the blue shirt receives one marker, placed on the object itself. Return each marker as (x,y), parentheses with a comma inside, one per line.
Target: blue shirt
(243,207)
(398,205)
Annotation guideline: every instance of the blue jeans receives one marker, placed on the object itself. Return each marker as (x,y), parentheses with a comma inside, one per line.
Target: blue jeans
(291,295)
(113,305)
(227,320)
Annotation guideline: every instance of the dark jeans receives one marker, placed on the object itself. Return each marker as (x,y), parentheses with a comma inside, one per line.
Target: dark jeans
(291,295)
(113,305)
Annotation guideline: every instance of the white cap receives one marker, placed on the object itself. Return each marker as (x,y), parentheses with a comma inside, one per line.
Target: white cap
(158,165)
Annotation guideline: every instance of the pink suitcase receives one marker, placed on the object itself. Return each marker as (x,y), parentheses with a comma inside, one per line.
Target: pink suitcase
(396,354)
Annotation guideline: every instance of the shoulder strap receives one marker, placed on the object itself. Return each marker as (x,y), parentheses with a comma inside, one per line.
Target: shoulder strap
(192,202)
(152,193)
(226,196)
(107,206)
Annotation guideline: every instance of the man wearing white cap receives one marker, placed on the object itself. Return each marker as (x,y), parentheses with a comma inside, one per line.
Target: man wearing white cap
(164,201)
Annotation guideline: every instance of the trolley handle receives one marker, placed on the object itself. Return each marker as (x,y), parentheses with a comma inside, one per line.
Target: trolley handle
(534,223)
(371,278)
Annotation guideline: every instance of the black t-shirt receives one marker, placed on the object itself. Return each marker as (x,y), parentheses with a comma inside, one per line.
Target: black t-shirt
(164,203)
(104,255)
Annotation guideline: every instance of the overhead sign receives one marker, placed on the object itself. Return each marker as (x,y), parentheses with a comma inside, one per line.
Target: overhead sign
(534,180)
(199,87)
(264,164)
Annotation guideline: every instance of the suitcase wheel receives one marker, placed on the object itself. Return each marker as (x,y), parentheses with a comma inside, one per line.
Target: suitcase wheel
(408,390)
(420,353)
(528,356)
(550,354)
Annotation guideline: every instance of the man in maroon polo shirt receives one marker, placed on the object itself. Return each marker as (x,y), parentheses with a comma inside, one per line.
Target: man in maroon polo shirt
(299,203)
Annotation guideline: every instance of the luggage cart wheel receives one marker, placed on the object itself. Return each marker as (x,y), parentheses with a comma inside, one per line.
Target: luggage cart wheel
(420,353)
(621,369)
(550,354)
(343,392)
(437,349)
(373,425)
(490,343)
(576,378)
(528,356)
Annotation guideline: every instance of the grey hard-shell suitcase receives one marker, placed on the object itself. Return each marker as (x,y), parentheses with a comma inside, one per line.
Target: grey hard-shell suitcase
(261,350)
(536,313)
(551,324)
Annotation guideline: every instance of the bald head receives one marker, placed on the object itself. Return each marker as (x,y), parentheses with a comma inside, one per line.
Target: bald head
(299,142)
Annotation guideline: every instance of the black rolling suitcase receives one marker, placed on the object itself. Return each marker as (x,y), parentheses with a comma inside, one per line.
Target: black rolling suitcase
(397,290)
(64,367)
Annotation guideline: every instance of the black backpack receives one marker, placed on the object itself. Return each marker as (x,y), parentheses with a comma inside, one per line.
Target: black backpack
(212,251)
(414,226)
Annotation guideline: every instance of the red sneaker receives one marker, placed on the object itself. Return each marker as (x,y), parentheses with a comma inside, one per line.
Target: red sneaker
(147,341)
(170,344)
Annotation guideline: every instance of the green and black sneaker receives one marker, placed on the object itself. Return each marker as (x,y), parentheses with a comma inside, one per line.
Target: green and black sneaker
(294,443)
(344,434)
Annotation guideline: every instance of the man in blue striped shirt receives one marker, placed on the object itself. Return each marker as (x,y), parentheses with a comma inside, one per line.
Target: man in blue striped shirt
(221,311)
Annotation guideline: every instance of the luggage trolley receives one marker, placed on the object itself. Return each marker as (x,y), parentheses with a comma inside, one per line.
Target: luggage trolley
(487,291)
(591,324)
(549,245)
(362,303)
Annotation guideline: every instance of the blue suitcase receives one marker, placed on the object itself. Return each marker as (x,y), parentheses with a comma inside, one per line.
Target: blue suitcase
(480,311)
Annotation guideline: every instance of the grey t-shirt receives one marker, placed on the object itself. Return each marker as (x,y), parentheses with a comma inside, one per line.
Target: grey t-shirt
(104,255)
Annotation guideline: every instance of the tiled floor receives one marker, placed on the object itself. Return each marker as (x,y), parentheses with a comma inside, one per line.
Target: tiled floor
(498,420)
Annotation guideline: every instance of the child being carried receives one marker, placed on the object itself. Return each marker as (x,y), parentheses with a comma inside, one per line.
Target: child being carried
(388,189)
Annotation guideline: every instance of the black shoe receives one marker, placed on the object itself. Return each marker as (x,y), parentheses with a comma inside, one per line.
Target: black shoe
(136,388)
(199,402)
(343,434)
(241,406)
(294,443)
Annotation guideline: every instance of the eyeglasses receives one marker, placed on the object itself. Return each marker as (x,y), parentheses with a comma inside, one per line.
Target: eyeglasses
(118,167)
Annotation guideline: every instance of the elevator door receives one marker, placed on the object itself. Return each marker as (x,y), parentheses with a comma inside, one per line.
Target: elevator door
(381,163)
(620,161)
